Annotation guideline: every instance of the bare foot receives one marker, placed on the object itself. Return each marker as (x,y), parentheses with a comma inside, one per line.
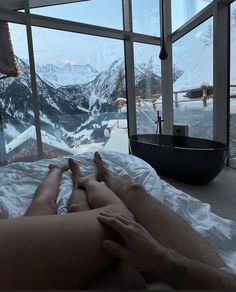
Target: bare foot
(62,167)
(78,179)
(76,173)
(118,184)
(102,170)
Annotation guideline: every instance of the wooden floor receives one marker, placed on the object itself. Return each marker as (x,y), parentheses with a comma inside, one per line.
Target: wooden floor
(220,193)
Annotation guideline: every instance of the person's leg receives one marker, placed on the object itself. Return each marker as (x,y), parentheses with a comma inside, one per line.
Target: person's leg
(61,252)
(78,198)
(98,194)
(118,275)
(163,224)
(52,252)
(44,200)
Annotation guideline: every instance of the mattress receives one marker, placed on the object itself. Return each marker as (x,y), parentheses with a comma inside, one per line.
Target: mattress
(18,182)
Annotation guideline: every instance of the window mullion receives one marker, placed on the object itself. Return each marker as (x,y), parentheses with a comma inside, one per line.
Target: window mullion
(221,72)
(166,72)
(35,101)
(195,21)
(129,64)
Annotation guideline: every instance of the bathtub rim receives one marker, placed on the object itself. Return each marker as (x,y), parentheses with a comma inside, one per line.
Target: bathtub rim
(221,146)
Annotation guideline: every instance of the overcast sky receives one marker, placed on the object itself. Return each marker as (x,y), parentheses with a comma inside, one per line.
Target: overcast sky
(58,48)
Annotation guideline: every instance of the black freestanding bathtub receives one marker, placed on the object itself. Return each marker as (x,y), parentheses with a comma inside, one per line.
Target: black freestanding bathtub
(191,160)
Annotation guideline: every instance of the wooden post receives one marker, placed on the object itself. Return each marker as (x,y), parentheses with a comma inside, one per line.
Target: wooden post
(176,99)
(204,95)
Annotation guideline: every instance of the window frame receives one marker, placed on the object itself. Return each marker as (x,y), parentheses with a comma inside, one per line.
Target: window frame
(218,9)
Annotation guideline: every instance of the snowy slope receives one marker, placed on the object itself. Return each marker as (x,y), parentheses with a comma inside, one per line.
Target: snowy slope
(201,72)
(197,74)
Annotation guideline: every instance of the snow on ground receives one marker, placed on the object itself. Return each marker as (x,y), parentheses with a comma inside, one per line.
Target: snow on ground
(93,147)
(31,134)
(233,106)
(119,138)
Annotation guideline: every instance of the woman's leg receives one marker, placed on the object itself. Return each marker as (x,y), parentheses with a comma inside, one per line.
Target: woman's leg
(98,194)
(44,200)
(78,198)
(58,252)
(164,225)
(118,275)
(52,252)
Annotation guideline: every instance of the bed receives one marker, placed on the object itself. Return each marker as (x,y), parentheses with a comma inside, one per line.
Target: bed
(18,182)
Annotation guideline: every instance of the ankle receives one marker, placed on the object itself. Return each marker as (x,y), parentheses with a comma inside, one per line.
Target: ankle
(102,174)
(73,207)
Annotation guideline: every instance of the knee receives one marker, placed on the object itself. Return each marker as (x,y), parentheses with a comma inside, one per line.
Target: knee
(49,205)
(135,188)
(119,209)
(73,208)
(76,207)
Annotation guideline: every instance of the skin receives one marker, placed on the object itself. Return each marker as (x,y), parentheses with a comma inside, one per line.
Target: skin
(157,262)
(54,251)
(169,229)
(43,250)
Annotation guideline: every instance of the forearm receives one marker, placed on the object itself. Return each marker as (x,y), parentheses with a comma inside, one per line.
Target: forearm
(185,273)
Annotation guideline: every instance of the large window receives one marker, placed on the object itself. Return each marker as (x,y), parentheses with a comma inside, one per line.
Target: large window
(17,136)
(82,92)
(184,10)
(147,87)
(193,81)
(233,88)
(105,13)
(81,78)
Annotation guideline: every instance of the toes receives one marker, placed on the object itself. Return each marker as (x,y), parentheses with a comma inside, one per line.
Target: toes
(72,163)
(98,159)
(97,156)
(99,162)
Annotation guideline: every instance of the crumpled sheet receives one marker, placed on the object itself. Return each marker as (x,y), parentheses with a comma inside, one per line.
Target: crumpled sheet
(18,182)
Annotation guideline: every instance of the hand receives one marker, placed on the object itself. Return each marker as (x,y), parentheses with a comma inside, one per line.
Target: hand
(141,250)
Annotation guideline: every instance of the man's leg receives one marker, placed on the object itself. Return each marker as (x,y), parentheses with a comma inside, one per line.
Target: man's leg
(44,200)
(164,225)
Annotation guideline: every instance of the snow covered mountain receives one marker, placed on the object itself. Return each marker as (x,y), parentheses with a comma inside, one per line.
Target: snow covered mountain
(72,107)
(67,75)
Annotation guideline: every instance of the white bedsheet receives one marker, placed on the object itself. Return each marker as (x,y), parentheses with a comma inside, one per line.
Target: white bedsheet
(18,182)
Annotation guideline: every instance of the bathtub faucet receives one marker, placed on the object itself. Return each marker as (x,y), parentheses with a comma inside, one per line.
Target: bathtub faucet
(159,123)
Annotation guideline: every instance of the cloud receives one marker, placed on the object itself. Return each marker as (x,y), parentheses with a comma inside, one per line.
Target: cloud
(71,61)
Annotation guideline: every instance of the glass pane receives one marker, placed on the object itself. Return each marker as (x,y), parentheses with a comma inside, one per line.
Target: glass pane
(193,81)
(147,87)
(183,10)
(146,17)
(105,13)
(233,88)
(79,89)
(17,131)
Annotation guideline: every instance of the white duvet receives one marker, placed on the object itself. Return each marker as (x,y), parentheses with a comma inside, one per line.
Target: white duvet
(18,182)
